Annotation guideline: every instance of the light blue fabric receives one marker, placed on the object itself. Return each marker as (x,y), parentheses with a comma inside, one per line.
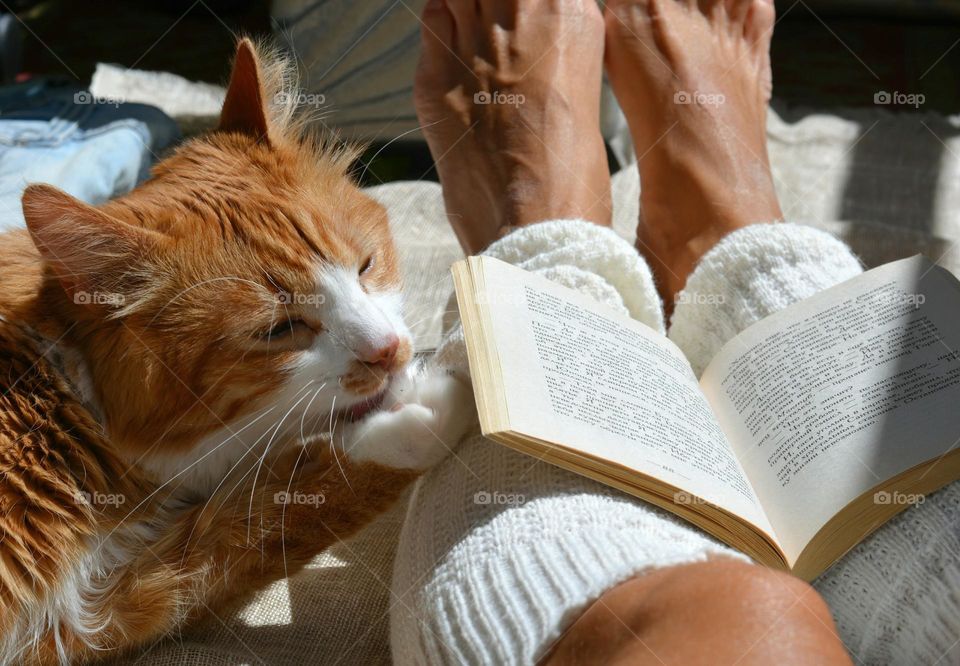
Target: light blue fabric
(93,149)
(92,165)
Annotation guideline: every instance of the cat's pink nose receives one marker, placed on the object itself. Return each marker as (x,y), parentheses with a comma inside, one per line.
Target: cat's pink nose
(382,354)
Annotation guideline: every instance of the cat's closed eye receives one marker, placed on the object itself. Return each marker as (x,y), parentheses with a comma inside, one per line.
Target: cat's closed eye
(288,330)
(367,265)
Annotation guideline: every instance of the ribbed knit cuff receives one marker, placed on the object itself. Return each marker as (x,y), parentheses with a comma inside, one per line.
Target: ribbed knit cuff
(749,275)
(512,610)
(621,277)
(490,583)
(578,254)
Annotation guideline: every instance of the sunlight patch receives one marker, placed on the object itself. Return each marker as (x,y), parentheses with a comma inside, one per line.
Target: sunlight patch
(270,608)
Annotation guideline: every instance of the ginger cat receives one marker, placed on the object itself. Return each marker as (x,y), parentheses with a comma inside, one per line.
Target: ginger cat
(203,383)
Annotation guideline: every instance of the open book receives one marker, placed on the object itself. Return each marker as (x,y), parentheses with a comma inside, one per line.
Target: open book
(806,432)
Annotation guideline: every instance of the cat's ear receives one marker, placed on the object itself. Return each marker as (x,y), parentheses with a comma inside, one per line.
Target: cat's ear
(244,108)
(88,250)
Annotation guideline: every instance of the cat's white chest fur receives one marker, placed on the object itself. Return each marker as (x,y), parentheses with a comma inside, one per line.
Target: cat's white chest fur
(205,467)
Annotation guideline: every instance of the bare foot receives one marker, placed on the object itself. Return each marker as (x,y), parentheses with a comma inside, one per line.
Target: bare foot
(508,95)
(693,79)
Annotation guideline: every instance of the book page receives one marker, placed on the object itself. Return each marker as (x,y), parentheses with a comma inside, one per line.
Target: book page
(580,375)
(842,391)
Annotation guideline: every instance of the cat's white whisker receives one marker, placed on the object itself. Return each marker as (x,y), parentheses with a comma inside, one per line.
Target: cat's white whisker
(333,447)
(306,411)
(387,145)
(283,511)
(213,494)
(432,316)
(315,424)
(333,406)
(216,490)
(337,459)
(180,473)
(263,457)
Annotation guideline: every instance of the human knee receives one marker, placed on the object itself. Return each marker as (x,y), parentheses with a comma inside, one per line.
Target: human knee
(751,589)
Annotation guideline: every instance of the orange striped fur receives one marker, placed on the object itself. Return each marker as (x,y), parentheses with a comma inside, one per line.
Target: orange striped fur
(178,364)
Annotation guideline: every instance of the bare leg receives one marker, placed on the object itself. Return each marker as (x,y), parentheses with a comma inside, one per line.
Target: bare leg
(540,160)
(720,612)
(508,94)
(704,172)
(693,79)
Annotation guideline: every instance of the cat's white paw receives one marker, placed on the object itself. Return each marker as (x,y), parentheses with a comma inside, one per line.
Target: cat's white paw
(418,434)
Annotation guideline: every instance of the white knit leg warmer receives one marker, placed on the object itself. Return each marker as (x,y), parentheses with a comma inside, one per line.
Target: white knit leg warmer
(500,552)
(749,275)
(896,597)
